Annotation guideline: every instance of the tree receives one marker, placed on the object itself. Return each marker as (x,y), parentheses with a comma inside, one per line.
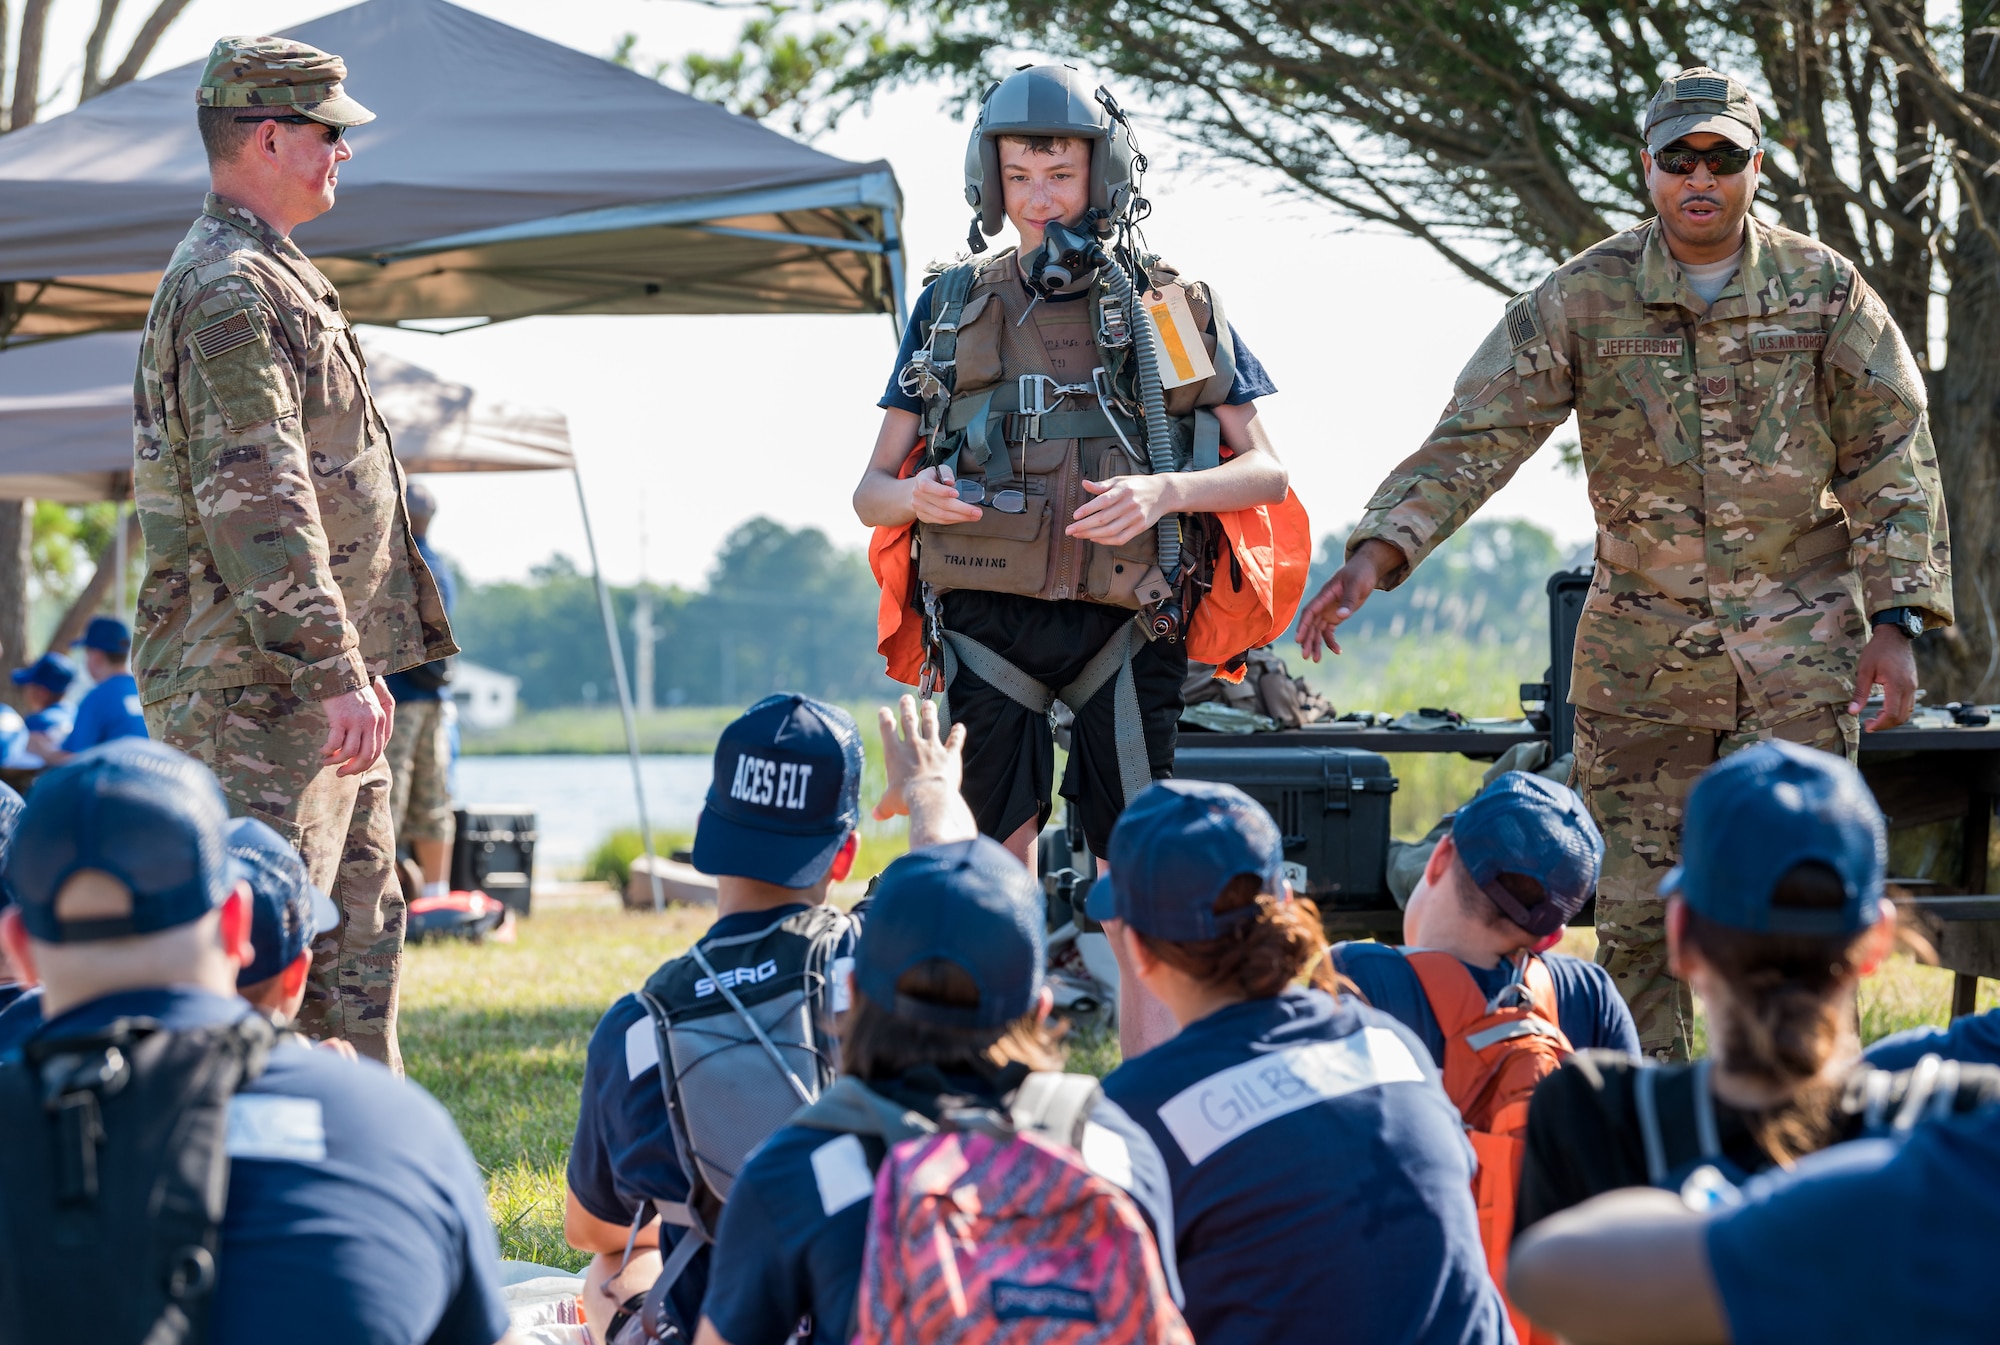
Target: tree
(1505,136)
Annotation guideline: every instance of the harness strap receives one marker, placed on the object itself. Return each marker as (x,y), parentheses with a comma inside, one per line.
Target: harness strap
(1648,1107)
(1207,441)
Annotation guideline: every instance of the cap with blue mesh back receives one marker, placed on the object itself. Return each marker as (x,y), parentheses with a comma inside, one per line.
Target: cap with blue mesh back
(141,812)
(107,635)
(1526,825)
(52,671)
(786,793)
(286,911)
(1700,100)
(970,903)
(1174,850)
(1757,814)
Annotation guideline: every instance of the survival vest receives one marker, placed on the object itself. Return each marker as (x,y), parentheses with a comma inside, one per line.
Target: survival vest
(1495,1052)
(114,1178)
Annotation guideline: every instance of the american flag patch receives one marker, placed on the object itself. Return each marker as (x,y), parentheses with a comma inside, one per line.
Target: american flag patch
(1522,326)
(1779,343)
(219,338)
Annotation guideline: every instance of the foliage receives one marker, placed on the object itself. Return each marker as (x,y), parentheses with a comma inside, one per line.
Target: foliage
(774,71)
(28,99)
(67,540)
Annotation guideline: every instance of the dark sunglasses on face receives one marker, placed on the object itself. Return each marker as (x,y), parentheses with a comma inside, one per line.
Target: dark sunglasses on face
(293,119)
(1723,161)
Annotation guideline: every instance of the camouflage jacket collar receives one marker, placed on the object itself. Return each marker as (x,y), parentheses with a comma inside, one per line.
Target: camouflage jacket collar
(1758,287)
(284,249)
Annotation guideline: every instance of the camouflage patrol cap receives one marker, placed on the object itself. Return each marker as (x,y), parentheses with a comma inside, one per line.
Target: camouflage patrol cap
(276,72)
(1699,100)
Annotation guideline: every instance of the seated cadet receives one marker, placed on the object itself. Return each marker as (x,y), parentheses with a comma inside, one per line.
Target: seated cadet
(110,709)
(354,1214)
(771,862)
(1520,859)
(1773,917)
(11,985)
(1321,1181)
(288,913)
(43,685)
(948,1011)
(1974,1039)
(1880,1239)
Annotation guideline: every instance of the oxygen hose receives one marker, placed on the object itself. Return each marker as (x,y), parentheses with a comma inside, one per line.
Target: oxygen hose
(1153,400)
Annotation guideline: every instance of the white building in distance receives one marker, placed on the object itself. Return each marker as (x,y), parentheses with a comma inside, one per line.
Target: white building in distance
(486,699)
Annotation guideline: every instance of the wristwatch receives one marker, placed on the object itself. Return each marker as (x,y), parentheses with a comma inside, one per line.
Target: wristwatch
(1908,620)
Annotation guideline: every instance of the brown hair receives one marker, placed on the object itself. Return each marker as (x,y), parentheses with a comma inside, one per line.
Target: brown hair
(1790,995)
(1043,144)
(221,134)
(1524,889)
(1280,944)
(877,1045)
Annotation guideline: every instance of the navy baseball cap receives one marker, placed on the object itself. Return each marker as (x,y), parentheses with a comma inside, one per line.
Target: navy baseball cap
(147,815)
(1526,825)
(1173,851)
(107,635)
(1759,812)
(786,793)
(970,903)
(11,804)
(52,671)
(287,911)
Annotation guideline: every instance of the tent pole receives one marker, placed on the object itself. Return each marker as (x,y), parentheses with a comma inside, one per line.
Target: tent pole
(119,558)
(624,690)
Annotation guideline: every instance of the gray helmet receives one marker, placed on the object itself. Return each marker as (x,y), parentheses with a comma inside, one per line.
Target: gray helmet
(1048,100)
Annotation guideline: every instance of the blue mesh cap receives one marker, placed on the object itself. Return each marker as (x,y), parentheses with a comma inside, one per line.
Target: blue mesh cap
(1755,815)
(969,903)
(147,815)
(287,911)
(1526,825)
(786,793)
(1173,851)
(52,671)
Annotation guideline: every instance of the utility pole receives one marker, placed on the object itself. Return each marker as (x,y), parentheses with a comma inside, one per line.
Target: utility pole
(644,634)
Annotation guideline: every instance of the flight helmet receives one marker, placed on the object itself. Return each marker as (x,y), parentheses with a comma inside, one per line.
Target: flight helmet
(1047,100)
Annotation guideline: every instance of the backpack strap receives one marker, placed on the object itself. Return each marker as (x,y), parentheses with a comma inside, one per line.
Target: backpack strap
(1647,1106)
(1055,1105)
(1455,998)
(932,371)
(851,1107)
(1652,1135)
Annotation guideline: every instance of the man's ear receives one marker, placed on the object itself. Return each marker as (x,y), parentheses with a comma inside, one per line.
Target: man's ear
(293,977)
(20,952)
(235,925)
(1439,864)
(843,863)
(1677,923)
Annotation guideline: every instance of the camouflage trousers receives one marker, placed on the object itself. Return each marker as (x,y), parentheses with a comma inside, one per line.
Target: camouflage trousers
(1635,774)
(263,743)
(419,758)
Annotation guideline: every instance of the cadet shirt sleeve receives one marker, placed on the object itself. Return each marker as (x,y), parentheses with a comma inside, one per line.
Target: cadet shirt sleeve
(1886,468)
(1512,394)
(251,478)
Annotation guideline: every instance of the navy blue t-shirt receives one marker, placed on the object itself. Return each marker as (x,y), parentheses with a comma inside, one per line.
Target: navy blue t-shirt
(20,1018)
(108,710)
(356,1215)
(1321,1180)
(400,686)
(1252,381)
(1975,1039)
(1589,1009)
(1870,1240)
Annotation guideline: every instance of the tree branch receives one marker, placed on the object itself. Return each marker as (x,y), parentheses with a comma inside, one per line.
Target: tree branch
(93,50)
(28,64)
(148,37)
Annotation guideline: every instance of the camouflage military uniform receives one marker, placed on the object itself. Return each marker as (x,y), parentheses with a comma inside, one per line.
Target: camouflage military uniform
(1763,478)
(280,567)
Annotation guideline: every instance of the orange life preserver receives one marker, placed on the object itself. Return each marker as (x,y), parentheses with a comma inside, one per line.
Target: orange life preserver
(1259,581)
(899,623)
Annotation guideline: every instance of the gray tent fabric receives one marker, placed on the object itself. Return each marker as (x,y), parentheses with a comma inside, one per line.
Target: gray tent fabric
(66,421)
(504,175)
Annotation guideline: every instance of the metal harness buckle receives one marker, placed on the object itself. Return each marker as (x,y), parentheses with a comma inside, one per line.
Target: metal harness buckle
(1036,389)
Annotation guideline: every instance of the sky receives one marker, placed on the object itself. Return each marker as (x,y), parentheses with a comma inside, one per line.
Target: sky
(680,437)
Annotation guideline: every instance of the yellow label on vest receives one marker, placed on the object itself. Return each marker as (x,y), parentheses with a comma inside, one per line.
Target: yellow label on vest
(1641,345)
(1183,358)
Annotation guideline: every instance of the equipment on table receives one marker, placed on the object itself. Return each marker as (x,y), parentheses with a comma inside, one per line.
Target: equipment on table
(494,852)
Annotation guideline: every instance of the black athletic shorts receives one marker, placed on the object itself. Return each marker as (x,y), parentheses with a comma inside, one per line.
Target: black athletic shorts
(1010,751)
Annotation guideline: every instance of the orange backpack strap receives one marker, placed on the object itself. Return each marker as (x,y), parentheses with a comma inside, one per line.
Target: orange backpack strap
(1457,1002)
(1260,578)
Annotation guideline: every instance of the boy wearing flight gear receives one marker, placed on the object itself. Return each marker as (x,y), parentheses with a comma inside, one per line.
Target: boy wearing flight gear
(217,1186)
(1056,500)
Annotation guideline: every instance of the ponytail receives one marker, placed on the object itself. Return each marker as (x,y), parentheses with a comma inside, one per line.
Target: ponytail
(1278,946)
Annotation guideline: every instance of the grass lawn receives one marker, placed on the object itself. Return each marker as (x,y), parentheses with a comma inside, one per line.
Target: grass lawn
(497,1032)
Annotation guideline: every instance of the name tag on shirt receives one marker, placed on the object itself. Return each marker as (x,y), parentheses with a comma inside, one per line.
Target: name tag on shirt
(285,1128)
(840,1167)
(1781,343)
(642,1047)
(1641,345)
(1235,1101)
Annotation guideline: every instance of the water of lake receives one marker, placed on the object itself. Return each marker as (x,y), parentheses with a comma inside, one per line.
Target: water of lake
(578,800)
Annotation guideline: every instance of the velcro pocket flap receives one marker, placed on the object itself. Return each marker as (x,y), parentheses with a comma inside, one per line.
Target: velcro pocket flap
(236,360)
(997,552)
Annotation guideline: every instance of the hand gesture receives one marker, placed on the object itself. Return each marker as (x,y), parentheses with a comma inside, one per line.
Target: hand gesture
(1124,507)
(934,497)
(1342,595)
(924,770)
(357,729)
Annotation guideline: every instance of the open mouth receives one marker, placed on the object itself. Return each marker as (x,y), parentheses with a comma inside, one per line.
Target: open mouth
(1701,210)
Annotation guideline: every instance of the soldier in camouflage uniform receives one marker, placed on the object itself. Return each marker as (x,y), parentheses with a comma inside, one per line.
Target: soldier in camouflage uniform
(1754,431)
(282,582)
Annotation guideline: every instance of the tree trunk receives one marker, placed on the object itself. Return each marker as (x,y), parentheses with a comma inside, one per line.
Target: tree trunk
(16,533)
(5,30)
(93,50)
(91,600)
(28,66)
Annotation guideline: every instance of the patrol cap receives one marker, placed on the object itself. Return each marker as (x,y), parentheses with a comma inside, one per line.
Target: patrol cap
(276,72)
(1173,851)
(1755,815)
(1526,825)
(287,911)
(147,815)
(107,635)
(786,793)
(1699,100)
(970,903)
(52,672)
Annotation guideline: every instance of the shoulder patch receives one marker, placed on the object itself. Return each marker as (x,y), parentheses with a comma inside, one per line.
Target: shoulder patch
(1523,323)
(242,369)
(219,338)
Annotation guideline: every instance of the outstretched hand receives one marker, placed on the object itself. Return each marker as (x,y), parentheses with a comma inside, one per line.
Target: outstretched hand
(1890,663)
(924,769)
(1341,597)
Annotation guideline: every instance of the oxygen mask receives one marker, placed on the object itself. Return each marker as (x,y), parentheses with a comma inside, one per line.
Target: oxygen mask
(1067,254)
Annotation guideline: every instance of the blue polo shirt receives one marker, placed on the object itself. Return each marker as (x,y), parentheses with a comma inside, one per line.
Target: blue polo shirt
(1589,1009)
(356,1215)
(108,710)
(1871,1240)
(1321,1180)
(55,720)
(1974,1039)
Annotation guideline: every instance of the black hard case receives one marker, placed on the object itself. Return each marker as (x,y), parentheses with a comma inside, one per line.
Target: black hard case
(1331,805)
(495,852)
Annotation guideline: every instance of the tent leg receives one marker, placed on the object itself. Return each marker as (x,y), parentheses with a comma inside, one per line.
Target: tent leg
(624,691)
(119,557)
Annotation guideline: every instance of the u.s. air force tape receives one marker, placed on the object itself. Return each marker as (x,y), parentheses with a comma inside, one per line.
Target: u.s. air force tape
(219,338)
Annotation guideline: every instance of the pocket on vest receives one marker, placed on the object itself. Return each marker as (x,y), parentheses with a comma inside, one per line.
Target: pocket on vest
(1000,553)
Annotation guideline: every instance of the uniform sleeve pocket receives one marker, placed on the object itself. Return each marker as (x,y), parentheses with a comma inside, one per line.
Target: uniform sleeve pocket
(237,362)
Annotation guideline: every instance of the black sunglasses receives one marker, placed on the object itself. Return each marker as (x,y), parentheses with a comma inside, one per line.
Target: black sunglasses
(293,119)
(1723,162)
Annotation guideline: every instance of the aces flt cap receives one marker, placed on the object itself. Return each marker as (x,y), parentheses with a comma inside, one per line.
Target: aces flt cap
(275,72)
(150,817)
(786,793)
(1174,850)
(286,911)
(1701,100)
(970,903)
